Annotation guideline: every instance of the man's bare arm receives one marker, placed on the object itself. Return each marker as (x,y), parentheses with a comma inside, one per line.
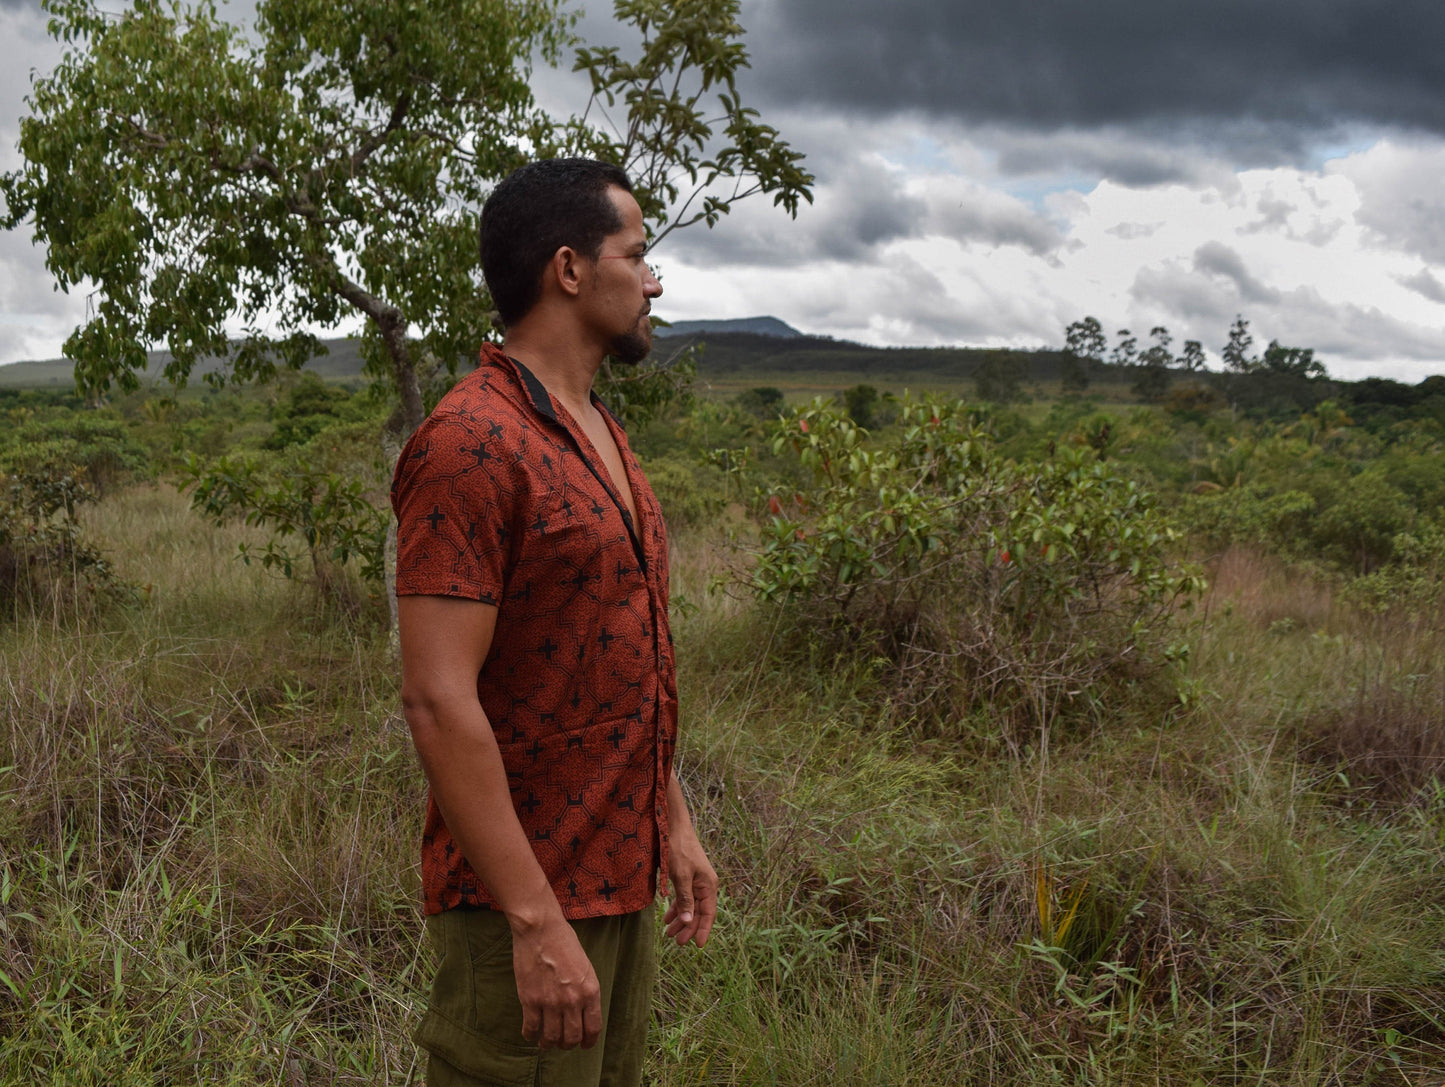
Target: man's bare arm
(444,643)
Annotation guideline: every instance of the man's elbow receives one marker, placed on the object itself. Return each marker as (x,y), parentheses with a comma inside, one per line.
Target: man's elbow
(434,715)
(423,710)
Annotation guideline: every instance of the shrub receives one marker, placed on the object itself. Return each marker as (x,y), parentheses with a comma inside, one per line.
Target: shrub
(95,446)
(307,408)
(690,494)
(1026,586)
(764,401)
(1217,518)
(1414,579)
(862,404)
(318,493)
(997,378)
(44,558)
(1360,520)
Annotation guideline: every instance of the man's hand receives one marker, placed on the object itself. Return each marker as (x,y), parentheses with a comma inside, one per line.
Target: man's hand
(561,1000)
(693,908)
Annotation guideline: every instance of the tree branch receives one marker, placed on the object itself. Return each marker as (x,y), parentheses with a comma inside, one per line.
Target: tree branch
(370,145)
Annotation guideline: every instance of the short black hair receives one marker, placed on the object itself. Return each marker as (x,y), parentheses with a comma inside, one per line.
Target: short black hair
(535,211)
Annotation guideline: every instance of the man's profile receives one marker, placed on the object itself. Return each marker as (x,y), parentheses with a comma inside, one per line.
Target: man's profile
(537,664)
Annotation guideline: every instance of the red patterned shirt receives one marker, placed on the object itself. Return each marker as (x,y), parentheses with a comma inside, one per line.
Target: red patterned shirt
(501,498)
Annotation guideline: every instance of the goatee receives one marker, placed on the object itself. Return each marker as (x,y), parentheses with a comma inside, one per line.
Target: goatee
(632,347)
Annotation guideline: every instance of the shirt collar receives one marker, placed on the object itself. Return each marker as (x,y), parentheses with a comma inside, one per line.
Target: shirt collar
(536,392)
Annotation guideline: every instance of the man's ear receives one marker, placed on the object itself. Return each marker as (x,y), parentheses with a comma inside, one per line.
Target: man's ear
(566,270)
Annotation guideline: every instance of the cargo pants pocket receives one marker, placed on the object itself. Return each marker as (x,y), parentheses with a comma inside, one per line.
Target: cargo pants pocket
(473,1021)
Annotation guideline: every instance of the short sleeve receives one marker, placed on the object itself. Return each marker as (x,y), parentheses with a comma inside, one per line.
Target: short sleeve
(454,494)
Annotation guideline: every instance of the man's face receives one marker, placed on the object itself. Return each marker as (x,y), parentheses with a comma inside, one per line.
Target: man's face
(624,285)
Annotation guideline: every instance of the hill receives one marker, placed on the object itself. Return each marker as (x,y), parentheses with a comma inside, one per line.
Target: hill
(342,360)
(753,353)
(767,345)
(762,326)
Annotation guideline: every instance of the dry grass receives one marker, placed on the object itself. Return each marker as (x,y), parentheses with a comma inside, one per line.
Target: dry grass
(209,808)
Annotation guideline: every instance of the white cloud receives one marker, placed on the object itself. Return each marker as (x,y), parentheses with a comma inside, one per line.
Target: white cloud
(1300,253)
(1402,194)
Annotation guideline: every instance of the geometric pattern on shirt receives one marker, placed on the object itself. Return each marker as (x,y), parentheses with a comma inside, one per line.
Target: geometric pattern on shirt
(500,497)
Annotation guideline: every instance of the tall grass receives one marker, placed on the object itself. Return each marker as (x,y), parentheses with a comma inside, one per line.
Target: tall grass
(209,811)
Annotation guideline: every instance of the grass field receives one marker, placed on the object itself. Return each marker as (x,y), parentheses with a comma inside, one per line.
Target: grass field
(209,811)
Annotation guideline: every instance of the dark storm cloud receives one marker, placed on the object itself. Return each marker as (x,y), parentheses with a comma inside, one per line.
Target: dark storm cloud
(1259,66)
(1118,155)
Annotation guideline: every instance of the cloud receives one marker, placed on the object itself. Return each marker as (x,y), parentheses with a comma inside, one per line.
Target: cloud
(1133,231)
(1217,259)
(1253,65)
(1402,199)
(862,207)
(966,212)
(1283,247)
(1126,157)
(1426,285)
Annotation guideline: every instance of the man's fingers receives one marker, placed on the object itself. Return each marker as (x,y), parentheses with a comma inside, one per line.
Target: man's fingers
(551,1029)
(571,1027)
(683,904)
(531,1022)
(705,919)
(591,1022)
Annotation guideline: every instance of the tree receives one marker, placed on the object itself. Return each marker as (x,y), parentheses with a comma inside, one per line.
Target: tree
(1157,353)
(1236,352)
(1291,361)
(763,401)
(862,404)
(333,163)
(1084,347)
(1151,381)
(1125,348)
(1192,360)
(1085,339)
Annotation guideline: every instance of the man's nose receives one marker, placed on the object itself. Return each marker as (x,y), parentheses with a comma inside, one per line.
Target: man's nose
(651,286)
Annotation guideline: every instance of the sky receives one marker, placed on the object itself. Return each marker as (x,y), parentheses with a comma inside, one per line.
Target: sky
(989,171)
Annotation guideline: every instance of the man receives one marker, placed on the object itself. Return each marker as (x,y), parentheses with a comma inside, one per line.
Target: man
(537,664)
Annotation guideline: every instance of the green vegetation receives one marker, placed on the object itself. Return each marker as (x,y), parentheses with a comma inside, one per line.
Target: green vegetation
(1021,592)
(1223,865)
(327,164)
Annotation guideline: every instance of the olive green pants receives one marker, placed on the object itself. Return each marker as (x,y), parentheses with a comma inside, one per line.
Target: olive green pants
(473,1024)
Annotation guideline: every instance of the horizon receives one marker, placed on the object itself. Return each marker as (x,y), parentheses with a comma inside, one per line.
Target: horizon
(995,179)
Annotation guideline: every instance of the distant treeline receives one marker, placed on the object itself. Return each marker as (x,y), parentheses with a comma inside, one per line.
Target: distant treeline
(751,353)
(1001,374)
(998,374)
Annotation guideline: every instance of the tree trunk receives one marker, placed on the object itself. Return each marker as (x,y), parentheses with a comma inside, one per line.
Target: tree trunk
(403,371)
(391,323)
(408,388)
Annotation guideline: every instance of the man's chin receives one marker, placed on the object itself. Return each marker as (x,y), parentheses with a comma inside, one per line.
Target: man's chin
(631,349)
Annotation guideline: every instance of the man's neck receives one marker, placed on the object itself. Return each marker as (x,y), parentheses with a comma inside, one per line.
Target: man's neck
(564,367)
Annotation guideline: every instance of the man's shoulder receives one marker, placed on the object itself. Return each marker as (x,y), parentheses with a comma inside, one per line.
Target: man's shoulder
(479,430)
(488,392)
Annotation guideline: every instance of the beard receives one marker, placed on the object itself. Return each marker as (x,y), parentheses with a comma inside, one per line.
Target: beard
(632,347)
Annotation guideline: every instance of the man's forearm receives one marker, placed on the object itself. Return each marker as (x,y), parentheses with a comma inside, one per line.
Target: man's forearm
(679,819)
